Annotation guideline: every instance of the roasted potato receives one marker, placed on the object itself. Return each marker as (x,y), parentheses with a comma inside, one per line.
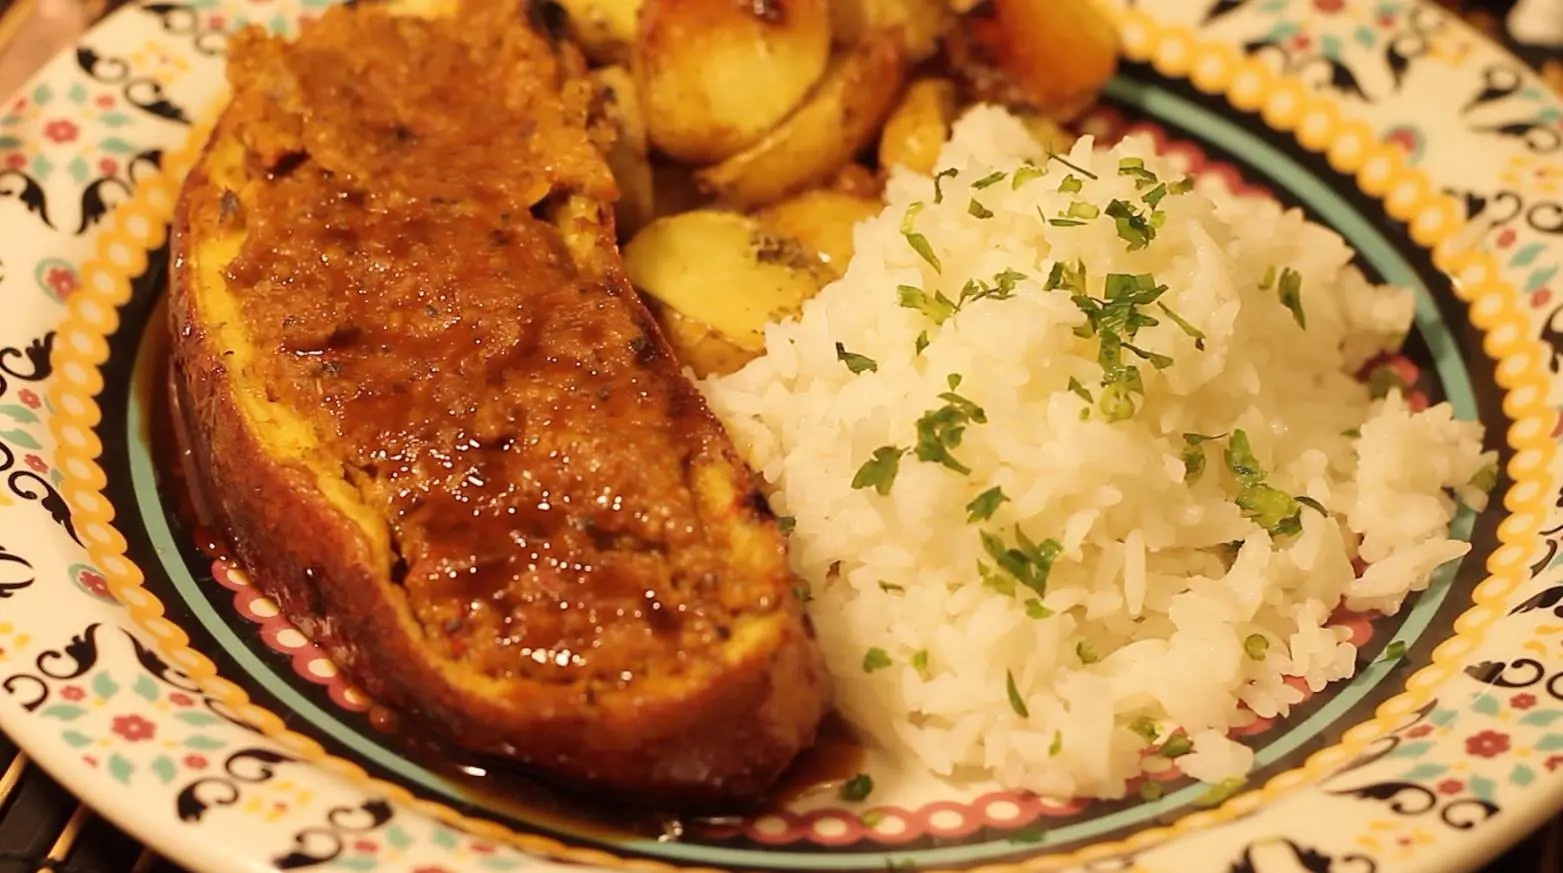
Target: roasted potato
(921,22)
(1059,53)
(919,126)
(727,277)
(839,120)
(604,29)
(716,75)
(822,221)
(628,156)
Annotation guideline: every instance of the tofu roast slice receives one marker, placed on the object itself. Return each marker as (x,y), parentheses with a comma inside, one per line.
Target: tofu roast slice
(438,427)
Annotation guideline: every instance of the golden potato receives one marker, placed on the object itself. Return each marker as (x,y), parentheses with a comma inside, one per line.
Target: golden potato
(628,156)
(822,221)
(604,29)
(724,272)
(701,348)
(921,22)
(838,120)
(919,126)
(1059,52)
(716,75)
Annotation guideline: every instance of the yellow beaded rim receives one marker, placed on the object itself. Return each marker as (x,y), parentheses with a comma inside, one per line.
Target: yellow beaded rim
(1435,221)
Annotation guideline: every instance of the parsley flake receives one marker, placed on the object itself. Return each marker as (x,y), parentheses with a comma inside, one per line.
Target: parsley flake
(858,788)
(1485,479)
(982,507)
(1135,169)
(921,343)
(1057,745)
(917,241)
(1176,746)
(920,660)
(892,588)
(879,472)
(1027,562)
(1079,390)
(1070,185)
(875,659)
(1133,227)
(938,183)
(1066,277)
(1291,295)
(936,309)
(941,430)
(1268,282)
(1016,702)
(786,523)
(989,180)
(1256,646)
(1086,652)
(1194,332)
(1035,609)
(855,362)
(1054,156)
(1027,173)
(1145,728)
(977,210)
(1029,835)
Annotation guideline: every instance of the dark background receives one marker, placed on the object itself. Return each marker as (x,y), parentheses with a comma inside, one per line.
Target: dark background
(42,827)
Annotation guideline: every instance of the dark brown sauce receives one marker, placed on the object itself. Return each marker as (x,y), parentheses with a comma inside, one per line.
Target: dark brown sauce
(496,786)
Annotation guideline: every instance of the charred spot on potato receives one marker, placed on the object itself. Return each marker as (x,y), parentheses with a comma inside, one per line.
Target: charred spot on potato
(781,251)
(550,19)
(285,164)
(230,211)
(759,505)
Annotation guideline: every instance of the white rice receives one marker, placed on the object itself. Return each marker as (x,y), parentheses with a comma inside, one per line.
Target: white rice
(1145,581)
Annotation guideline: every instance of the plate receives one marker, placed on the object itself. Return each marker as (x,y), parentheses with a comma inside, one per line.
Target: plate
(147,675)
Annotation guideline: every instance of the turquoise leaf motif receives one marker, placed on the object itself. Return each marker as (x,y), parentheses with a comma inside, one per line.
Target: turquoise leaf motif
(1442,717)
(1550,743)
(203,742)
(1485,704)
(164,768)
(1365,37)
(78,170)
(43,94)
(63,711)
(1424,771)
(75,739)
(445,838)
(145,689)
(1527,255)
(1410,750)
(499,863)
(397,837)
(77,93)
(20,438)
(1522,775)
(1539,279)
(1542,717)
(356,862)
(19,413)
(196,719)
(10,142)
(117,146)
(120,768)
(1482,787)
(104,686)
(1330,46)
(114,119)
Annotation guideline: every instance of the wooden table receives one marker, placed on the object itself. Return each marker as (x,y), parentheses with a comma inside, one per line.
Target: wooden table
(42,827)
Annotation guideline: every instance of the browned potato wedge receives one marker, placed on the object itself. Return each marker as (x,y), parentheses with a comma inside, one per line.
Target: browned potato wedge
(822,221)
(604,29)
(839,119)
(919,126)
(1059,52)
(921,22)
(716,75)
(628,156)
(725,274)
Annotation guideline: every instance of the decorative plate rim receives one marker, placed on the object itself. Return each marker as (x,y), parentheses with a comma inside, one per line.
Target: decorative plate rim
(1284,102)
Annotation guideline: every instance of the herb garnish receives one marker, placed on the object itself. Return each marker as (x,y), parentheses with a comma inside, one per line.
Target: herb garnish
(938,183)
(1176,746)
(1133,228)
(1027,562)
(1145,728)
(1256,646)
(855,362)
(1025,174)
(1029,835)
(917,241)
(1291,295)
(1194,455)
(1191,330)
(875,659)
(891,588)
(1269,507)
(989,180)
(920,660)
(977,210)
(786,523)
(1066,277)
(1057,745)
(1054,156)
(1016,702)
(1079,390)
(1086,652)
(1135,168)
(921,343)
(1116,322)
(1070,185)
(982,507)
(1383,379)
(1035,609)
(936,309)
(941,430)
(857,788)
(1485,479)
(879,472)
